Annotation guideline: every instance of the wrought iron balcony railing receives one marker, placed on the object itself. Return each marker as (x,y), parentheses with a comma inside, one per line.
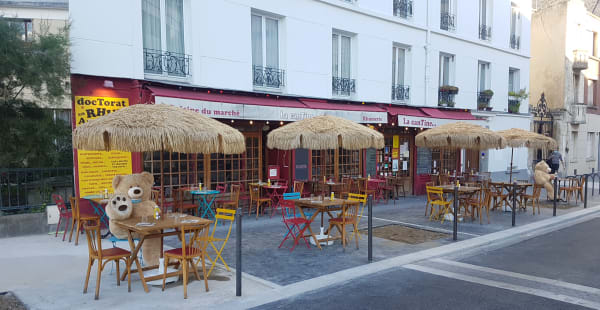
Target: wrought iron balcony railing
(403,8)
(485,32)
(343,86)
(400,92)
(447,21)
(515,42)
(268,77)
(165,62)
(445,99)
(580,59)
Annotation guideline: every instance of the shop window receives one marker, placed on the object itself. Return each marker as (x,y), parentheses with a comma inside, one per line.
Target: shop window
(323,164)
(443,160)
(180,169)
(350,163)
(394,159)
(239,168)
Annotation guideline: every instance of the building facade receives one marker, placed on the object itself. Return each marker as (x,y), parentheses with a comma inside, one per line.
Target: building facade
(400,66)
(565,67)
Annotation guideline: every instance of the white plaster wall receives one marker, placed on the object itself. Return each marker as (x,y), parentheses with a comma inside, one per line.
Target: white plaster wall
(499,160)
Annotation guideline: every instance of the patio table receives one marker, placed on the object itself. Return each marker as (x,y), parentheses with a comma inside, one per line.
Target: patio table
(322,206)
(157,230)
(467,191)
(203,203)
(330,186)
(98,203)
(275,193)
(520,190)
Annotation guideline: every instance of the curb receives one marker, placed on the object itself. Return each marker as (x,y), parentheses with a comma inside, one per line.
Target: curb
(462,248)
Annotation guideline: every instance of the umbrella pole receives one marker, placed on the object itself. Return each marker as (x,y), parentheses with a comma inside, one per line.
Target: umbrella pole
(512,150)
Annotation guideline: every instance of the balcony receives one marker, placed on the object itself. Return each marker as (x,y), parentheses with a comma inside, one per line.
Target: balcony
(403,8)
(343,86)
(513,105)
(515,42)
(166,63)
(578,113)
(400,93)
(447,21)
(483,100)
(485,32)
(446,96)
(580,60)
(268,77)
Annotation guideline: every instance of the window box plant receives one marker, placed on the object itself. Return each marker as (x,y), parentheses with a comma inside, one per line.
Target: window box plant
(453,90)
(514,100)
(483,99)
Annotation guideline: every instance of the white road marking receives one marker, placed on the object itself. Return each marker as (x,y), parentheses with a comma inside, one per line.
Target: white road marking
(424,227)
(553,282)
(506,286)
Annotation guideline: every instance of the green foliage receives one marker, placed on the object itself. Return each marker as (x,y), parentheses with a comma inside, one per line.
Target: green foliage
(520,95)
(449,89)
(39,67)
(488,92)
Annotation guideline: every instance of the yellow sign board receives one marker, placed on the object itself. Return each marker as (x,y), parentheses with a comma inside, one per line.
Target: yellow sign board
(96,169)
(395,141)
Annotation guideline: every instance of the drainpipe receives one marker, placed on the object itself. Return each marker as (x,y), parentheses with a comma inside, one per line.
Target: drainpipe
(427,45)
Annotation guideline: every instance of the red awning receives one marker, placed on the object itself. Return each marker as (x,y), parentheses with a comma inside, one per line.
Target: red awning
(448,114)
(394,111)
(324,105)
(227,98)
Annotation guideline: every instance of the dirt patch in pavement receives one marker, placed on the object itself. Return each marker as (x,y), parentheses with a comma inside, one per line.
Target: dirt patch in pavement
(406,234)
(9,301)
(562,205)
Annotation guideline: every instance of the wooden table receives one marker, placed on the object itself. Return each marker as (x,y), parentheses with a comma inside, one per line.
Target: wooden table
(325,206)
(469,191)
(520,190)
(156,231)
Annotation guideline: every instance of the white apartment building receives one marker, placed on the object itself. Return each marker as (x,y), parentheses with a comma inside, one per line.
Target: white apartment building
(427,58)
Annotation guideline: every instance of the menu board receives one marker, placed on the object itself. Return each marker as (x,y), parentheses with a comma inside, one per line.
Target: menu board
(423,160)
(371,162)
(96,169)
(301,165)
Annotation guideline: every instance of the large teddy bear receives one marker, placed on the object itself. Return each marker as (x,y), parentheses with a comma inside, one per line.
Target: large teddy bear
(132,198)
(543,177)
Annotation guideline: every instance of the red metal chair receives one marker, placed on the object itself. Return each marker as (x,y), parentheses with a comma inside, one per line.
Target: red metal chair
(222,188)
(63,213)
(295,225)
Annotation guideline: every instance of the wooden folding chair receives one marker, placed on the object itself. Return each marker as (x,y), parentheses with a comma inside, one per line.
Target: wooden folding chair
(348,216)
(481,202)
(256,198)
(194,249)
(94,240)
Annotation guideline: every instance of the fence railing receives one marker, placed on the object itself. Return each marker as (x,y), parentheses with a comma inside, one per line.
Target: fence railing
(23,189)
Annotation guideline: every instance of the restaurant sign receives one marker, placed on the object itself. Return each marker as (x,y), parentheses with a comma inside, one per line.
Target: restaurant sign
(267,113)
(96,169)
(427,122)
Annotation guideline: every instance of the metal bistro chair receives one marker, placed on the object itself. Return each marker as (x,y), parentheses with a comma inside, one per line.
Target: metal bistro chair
(295,225)
(63,214)
(256,198)
(362,199)
(435,196)
(234,199)
(181,203)
(224,215)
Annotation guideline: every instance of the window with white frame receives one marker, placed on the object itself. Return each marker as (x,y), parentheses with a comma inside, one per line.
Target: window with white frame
(341,64)
(515,26)
(25,27)
(163,37)
(590,92)
(400,87)
(483,76)
(446,76)
(447,16)
(265,52)
(514,84)
(591,138)
(485,19)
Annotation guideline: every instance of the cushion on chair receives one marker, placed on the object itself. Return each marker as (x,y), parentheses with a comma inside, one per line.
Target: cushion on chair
(179,251)
(340,219)
(115,252)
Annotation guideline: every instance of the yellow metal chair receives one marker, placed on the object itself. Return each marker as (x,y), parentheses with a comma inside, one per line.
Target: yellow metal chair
(362,198)
(435,197)
(223,215)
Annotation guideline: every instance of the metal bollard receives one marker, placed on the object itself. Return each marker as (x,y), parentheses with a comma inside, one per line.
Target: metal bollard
(370,221)
(455,207)
(514,203)
(238,252)
(555,195)
(585,180)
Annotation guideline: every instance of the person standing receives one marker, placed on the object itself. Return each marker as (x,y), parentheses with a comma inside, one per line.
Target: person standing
(555,160)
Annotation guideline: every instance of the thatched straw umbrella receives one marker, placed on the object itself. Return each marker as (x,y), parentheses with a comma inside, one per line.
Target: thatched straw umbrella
(324,132)
(516,137)
(460,135)
(158,127)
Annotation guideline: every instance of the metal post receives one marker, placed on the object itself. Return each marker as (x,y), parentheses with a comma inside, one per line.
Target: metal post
(555,195)
(585,191)
(370,220)
(575,172)
(514,203)
(238,252)
(455,207)
(593,179)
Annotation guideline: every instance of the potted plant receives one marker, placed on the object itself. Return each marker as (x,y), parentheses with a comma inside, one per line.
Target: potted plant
(453,90)
(514,100)
(483,99)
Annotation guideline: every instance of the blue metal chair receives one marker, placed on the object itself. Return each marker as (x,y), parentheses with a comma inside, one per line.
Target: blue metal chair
(290,196)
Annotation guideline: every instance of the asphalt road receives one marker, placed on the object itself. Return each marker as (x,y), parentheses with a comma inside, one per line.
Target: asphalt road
(558,270)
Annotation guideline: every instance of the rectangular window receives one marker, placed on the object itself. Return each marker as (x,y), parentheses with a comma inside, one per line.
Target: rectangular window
(590,92)
(485,20)
(265,52)
(163,27)
(515,27)
(513,80)
(446,69)
(400,89)
(591,137)
(447,17)
(483,76)
(180,169)
(341,64)
(403,8)
(350,163)
(25,27)
(323,164)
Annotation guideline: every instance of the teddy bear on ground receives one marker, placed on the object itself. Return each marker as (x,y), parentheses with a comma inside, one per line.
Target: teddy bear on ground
(118,208)
(138,188)
(543,177)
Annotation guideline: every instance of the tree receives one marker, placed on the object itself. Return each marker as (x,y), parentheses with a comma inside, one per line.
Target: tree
(33,72)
